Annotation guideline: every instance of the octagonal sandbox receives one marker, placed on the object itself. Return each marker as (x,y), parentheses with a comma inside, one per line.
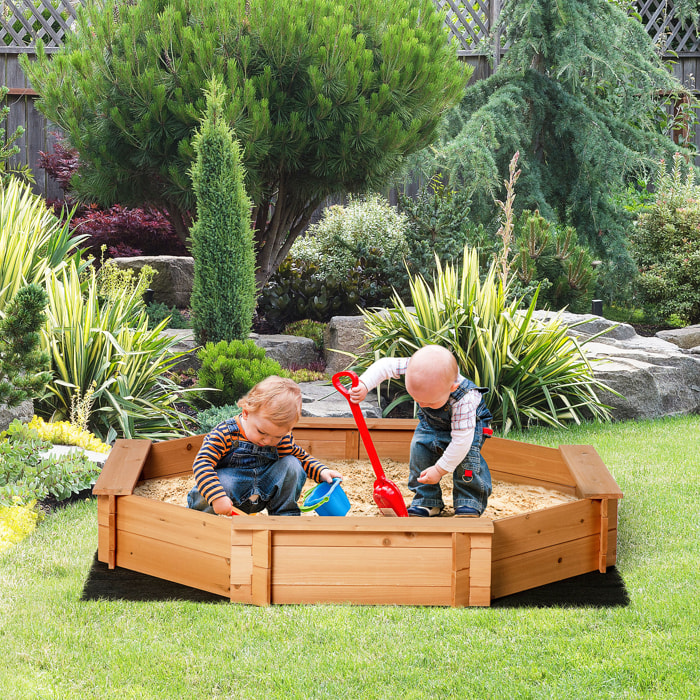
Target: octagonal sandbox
(401,561)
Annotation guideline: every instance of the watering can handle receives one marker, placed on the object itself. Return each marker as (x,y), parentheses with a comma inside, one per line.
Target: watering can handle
(359,418)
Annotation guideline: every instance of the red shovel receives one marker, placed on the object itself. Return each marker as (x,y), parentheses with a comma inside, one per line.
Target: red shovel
(386,493)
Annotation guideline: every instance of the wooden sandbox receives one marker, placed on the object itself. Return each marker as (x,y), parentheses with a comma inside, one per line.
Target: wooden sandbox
(403,561)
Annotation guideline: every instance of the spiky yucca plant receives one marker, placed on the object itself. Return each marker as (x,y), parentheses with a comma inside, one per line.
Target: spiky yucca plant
(535,372)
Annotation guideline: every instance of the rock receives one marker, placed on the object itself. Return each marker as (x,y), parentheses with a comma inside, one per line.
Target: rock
(343,334)
(23,412)
(288,350)
(320,399)
(654,377)
(185,344)
(172,285)
(61,450)
(686,338)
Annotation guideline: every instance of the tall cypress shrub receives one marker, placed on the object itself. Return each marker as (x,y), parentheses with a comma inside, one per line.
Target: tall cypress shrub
(223,291)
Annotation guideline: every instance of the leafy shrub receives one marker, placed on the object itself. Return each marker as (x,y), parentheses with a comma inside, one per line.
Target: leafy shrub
(24,367)
(17,521)
(232,368)
(125,232)
(27,475)
(306,328)
(211,417)
(545,253)
(666,246)
(347,260)
(345,233)
(534,371)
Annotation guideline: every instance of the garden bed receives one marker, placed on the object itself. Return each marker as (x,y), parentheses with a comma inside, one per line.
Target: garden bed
(369,560)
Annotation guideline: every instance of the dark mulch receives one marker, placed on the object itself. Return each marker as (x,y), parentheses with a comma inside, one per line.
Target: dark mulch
(588,590)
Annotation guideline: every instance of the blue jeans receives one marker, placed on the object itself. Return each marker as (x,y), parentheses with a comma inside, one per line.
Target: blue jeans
(427,447)
(277,484)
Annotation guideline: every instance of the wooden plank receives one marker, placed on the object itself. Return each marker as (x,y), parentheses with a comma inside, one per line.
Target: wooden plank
(361,566)
(480,597)
(262,562)
(241,565)
(189,567)
(527,532)
(122,468)
(277,523)
(536,568)
(175,525)
(414,540)
(603,536)
(172,457)
(480,568)
(461,551)
(522,459)
(592,476)
(361,595)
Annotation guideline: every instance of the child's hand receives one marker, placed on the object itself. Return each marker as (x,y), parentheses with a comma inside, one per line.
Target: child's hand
(358,393)
(329,474)
(222,505)
(431,475)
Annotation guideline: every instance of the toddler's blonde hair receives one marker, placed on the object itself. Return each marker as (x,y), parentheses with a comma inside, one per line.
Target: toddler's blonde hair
(277,398)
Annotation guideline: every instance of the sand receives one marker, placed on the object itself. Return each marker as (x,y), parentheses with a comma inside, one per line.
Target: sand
(358,481)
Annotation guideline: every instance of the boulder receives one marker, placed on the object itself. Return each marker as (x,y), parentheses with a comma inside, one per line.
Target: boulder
(172,285)
(288,350)
(23,412)
(653,376)
(686,338)
(343,334)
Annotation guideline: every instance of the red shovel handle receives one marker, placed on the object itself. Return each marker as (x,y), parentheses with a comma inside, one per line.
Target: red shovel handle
(359,419)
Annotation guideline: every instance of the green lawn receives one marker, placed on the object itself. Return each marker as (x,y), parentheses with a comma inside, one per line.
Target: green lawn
(55,646)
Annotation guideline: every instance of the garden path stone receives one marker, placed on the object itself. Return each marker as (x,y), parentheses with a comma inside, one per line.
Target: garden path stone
(321,400)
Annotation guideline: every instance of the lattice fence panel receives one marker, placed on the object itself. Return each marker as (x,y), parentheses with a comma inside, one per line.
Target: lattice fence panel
(469,23)
(22,22)
(666,29)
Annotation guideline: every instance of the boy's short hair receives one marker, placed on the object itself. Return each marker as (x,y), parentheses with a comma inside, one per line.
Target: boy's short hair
(278,398)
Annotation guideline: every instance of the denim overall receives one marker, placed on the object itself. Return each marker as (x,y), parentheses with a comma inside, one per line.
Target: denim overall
(471,478)
(256,478)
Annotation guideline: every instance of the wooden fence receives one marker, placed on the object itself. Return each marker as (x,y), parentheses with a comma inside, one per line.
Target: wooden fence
(473,27)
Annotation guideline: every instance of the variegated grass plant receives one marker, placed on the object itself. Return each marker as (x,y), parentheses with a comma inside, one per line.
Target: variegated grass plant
(104,345)
(32,240)
(535,372)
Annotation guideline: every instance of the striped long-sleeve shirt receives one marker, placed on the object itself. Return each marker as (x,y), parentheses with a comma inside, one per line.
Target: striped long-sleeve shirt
(219,442)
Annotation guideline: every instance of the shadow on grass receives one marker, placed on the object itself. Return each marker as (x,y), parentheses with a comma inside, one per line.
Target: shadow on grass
(588,590)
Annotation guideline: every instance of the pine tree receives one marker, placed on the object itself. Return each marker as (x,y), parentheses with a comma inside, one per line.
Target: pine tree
(327,96)
(578,95)
(223,291)
(24,367)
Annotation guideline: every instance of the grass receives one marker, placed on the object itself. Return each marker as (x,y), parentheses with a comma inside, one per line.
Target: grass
(56,646)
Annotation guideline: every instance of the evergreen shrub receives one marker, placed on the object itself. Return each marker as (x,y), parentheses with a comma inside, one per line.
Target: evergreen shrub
(666,246)
(223,292)
(211,417)
(232,368)
(550,257)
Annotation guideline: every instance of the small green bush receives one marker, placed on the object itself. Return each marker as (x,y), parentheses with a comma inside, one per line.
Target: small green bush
(26,475)
(158,312)
(211,417)
(665,244)
(233,368)
(306,328)
(550,257)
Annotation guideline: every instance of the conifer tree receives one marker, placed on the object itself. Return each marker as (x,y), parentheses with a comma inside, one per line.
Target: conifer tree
(24,367)
(223,291)
(578,95)
(327,96)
